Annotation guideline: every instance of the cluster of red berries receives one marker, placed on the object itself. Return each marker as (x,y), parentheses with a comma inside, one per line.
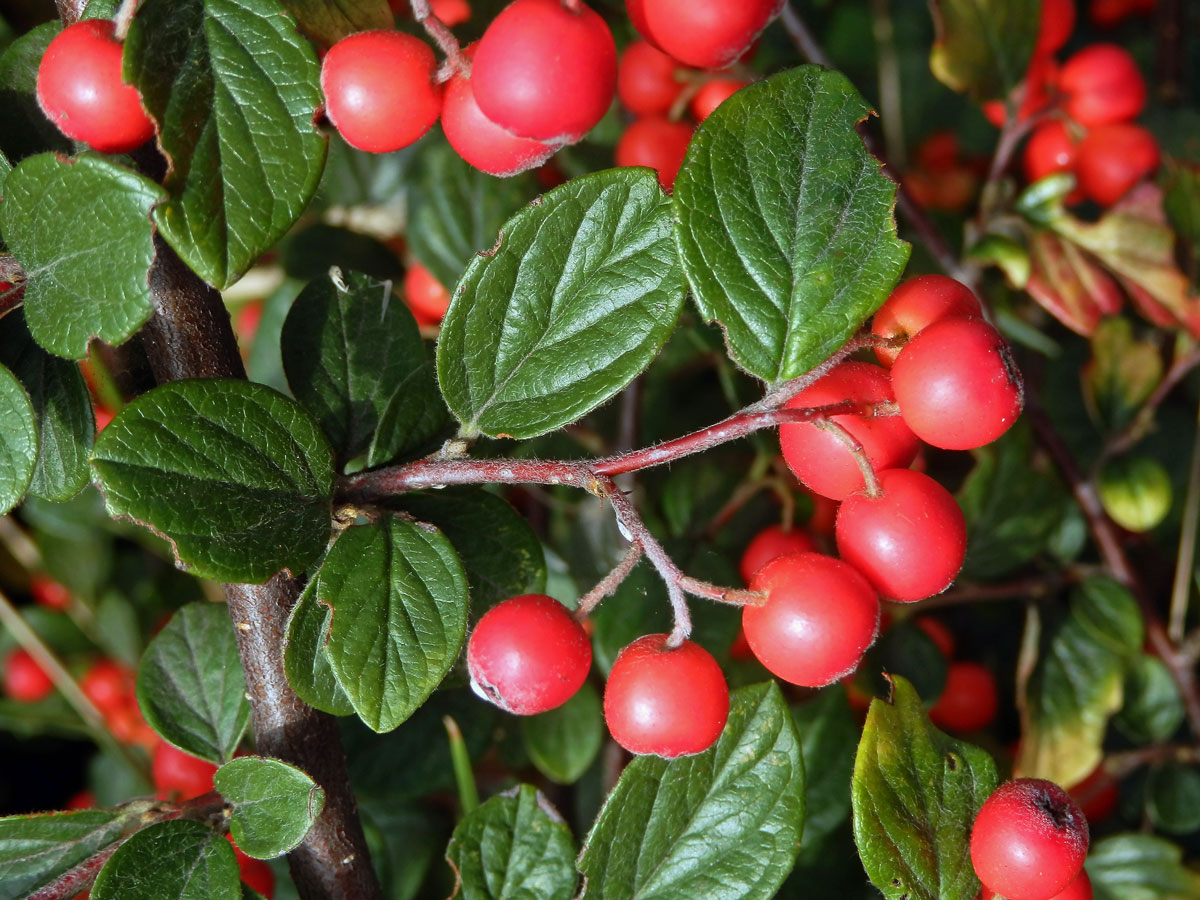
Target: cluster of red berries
(1089,102)
(941,176)
(1029,842)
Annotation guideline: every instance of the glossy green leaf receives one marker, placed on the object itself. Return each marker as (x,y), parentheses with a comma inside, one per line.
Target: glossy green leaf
(24,128)
(274,804)
(328,21)
(1181,202)
(1140,867)
(499,550)
(573,303)
(399,599)
(236,475)
(915,794)
(784,221)
(457,211)
(18,441)
(514,847)
(563,742)
(828,736)
(66,304)
(1173,798)
(182,860)
(1078,683)
(1152,709)
(190,684)
(724,824)
(34,850)
(350,347)
(62,408)
(305,661)
(983,47)
(234,88)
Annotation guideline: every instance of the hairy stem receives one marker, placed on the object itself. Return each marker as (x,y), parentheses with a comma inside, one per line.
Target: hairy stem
(608,585)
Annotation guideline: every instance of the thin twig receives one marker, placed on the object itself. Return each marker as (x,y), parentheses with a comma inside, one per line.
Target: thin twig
(608,585)
(1181,585)
(1128,436)
(851,443)
(456,61)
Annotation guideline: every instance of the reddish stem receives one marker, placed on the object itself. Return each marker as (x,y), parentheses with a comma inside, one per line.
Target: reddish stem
(443,37)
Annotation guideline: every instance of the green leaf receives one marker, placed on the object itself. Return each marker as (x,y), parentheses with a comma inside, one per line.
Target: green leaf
(983,47)
(724,824)
(274,804)
(582,291)
(1077,683)
(828,736)
(399,599)
(181,860)
(237,476)
(234,88)
(66,304)
(499,550)
(1173,798)
(34,850)
(1140,867)
(1181,202)
(514,847)
(405,840)
(350,349)
(784,221)
(328,21)
(1152,710)
(24,128)
(1122,373)
(190,684)
(63,410)
(305,661)
(563,742)
(915,794)
(18,441)
(458,210)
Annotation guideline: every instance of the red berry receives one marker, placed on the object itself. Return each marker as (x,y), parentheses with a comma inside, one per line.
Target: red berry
(655,142)
(1057,23)
(909,542)
(427,297)
(178,773)
(663,701)
(819,618)
(1029,840)
(712,94)
(956,384)
(771,543)
(379,89)
(49,593)
(819,459)
(1102,84)
(254,872)
(1039,76)
(544,71)
(84,799)
(919,302)
(80,90)
(1051,148)
(479,140)
(708,34)
(646,83)
(938,151)
(24,680)
(1080,888)
(936,630)
(1110,13)
(1113,158)
(1097,795)
(528,655)
(108,684)
(969,700)
(451,13)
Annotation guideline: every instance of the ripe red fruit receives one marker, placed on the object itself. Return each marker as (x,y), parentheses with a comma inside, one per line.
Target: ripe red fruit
(1102,84)
(1110,13)
(544,71)
(712,94)
(819,618)
(917,303)
(427,297)
(178,773)
(663,701)
(108,684)
(646,83)
(24,680)
(969,700)
(819,459)
(1097,795)
(379,89)
(1079,889)
(1057,23)
(479,140)
(655,142)
(528,655)
(771,543)
(956,384)
(1113,158)
(1029,840)
(49,593)
(451,13)
(1050,149)
(909,542)
(80,90)
(254,872)
(708,34)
